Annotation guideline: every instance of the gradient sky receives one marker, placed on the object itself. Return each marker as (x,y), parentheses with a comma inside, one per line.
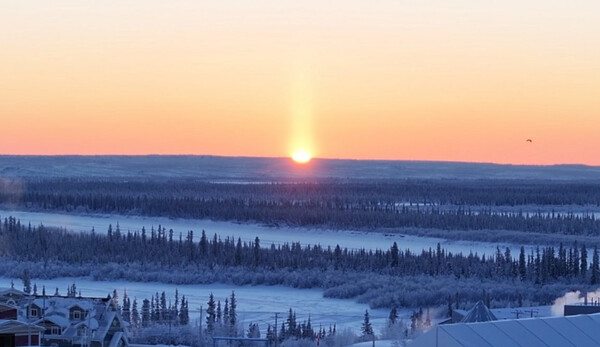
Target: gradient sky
(466,80)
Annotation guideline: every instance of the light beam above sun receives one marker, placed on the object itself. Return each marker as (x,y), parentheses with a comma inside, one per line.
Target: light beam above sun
(301,157)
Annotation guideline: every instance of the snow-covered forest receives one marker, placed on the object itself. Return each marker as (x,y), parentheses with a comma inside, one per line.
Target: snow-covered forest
(564,208)
(383,278)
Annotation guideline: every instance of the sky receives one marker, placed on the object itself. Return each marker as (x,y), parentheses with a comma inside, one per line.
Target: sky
(464,80)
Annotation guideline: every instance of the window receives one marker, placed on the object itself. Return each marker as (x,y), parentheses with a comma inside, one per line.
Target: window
(77,314)
(33,312)
(55,330)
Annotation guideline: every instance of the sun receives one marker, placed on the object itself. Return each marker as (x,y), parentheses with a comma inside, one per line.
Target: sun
(301,157)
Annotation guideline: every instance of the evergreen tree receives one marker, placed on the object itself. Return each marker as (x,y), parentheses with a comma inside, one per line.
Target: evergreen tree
(238,252)
(584,265)
(184,317)
(270,335)
(164,310)
(575,260)
(256,252)
(595,267)
(253,331)
(211,314)
(135,315)
(153,318)
(226,311)
(203,244)
(233,314)
(176,307)
(146,314)
(219,313)
(366,328)
(291,324)
(307,331)
(393,317)
(283,334)
(394,254)
(522,265)
(126,308)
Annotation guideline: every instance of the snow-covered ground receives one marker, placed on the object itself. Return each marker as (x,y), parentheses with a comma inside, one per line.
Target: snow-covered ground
(257,304)
(247,232)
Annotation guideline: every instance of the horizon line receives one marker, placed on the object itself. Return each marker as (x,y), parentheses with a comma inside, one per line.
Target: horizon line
(313,159)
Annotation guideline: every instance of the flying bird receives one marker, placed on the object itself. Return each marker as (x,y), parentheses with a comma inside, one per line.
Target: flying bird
(529,140)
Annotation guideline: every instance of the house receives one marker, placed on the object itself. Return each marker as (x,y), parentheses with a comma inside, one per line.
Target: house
(581,330)
(68,321)
(14,332)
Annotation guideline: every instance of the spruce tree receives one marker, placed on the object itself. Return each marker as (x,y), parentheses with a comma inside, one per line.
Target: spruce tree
(210,314)
(135,315)
(522,265)
(176,307)
(367,328)
(126,308)
(146,314)
(595,267)
(233,314)
(226,311)
(393,317)
(584,265)
(184,317)
(164,310)
(395,255)
(219,313)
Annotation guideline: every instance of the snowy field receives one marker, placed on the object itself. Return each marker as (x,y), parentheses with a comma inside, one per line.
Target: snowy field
(247,232)
(257,304)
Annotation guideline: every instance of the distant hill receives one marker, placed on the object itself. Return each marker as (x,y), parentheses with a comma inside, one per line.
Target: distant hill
(246,169)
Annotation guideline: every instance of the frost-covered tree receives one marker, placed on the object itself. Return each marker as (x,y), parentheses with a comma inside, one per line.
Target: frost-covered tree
(366,328)
(135,315)
(211,314)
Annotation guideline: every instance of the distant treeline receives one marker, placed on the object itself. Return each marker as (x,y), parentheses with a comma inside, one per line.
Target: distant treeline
(383,278)
(449,205)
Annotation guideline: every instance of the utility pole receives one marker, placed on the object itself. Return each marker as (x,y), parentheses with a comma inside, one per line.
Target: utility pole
(200,320)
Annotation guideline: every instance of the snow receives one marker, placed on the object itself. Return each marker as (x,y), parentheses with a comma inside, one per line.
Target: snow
(257,304)
(548,331)
(247,232)
(380,343)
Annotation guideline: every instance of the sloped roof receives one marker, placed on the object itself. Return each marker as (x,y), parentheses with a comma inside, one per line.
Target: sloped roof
(55,319)
(114,342)
(6,291)
(479,313)
(583,330)
(12,326)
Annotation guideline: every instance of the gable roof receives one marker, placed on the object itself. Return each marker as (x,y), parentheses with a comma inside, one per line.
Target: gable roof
(479,313)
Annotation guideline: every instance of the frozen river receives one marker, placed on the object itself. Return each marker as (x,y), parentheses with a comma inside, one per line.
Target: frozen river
(247,232)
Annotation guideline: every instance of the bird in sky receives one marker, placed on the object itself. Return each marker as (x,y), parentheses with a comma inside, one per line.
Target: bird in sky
(530,140)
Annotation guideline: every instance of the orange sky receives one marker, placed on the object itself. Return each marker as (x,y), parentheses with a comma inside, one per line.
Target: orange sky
(418,80)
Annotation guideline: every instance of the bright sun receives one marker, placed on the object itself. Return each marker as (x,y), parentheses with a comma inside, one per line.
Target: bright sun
(301,157)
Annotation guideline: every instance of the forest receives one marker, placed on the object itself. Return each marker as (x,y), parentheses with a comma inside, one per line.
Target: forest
(383,278)
(545,207)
